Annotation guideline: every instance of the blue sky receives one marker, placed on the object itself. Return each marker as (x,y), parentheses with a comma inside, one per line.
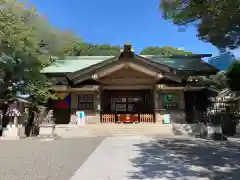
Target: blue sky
(116,22)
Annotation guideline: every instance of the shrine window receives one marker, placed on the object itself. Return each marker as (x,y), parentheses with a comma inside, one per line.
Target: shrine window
(170,101)
(124,104)
(85,102)
(119,104)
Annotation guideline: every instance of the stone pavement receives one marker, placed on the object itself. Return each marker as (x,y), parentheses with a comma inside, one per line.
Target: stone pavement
(145,158)
(120,158)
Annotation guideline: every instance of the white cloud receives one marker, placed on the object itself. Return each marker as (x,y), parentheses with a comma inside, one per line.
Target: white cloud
(236,52)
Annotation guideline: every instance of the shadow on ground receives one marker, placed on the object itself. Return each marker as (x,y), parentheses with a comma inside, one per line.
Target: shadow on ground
(187,159)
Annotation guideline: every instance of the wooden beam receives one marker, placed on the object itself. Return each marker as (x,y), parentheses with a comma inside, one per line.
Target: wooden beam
(125,87)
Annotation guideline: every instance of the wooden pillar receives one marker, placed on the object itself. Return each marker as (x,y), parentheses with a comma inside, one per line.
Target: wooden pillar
(97,104)
(155,104)
(73,108)
(158,106)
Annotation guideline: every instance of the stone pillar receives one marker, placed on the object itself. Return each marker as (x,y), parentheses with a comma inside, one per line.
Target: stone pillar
(15,121)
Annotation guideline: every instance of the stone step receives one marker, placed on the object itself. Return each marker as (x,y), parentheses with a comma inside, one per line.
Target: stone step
(112,130)
(118,130)
(95,134)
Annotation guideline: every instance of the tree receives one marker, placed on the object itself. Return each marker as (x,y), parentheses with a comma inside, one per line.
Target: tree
(77,48)
(218,81)
(21,58)
(103,50)
(233,75)
(165,50)
(24,37)
(217,22)
(57,43)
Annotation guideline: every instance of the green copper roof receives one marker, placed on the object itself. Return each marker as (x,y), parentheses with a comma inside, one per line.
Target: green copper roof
(181,63)
(72,64)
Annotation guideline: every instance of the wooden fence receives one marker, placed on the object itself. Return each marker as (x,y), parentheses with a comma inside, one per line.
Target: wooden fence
(108,118)
(146,118)
(111,118)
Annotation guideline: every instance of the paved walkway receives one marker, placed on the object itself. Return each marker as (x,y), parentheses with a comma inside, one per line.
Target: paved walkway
(144,158)
(120,158)
(111,160)
(114,160)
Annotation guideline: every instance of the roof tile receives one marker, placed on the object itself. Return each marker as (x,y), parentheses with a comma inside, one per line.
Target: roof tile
(72,64)
(181,63)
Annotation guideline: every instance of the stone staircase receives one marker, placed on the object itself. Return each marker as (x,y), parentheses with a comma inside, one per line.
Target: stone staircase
(95,130)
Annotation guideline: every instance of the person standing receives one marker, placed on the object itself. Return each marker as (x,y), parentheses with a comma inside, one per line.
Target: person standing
(1,122)
(26,121)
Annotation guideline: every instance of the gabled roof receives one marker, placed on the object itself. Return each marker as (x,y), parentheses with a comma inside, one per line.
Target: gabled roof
(80,63)
(86,64)
(183,63)
(73,64)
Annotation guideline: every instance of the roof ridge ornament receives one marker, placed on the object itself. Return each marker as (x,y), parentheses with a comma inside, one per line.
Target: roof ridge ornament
(127,47)
(127,51)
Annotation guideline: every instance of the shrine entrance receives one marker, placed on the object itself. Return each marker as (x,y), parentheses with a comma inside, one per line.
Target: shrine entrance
(127,106)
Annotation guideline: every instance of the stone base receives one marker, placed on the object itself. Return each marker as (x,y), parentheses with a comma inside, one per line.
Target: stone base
(218,137)
(200,130)
(13,133)
(211,130)
(46,130)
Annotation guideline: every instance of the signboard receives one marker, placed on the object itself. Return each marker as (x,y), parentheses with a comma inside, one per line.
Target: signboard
(170,98)
(166,119)
(81,119)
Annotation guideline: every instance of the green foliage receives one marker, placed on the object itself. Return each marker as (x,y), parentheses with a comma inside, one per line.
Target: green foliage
(78,48)
(217,22)
(165,51)
(26,43)
(233,75)
(21,58)
(218,81)
(103,50)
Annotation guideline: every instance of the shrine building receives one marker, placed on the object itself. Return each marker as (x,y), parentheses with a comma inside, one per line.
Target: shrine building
(130,87)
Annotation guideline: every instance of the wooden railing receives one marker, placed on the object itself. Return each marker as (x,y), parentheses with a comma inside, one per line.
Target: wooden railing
(108,118)
(111,118)
(146,118)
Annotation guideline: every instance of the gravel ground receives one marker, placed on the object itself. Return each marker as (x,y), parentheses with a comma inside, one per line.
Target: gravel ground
(44,160)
